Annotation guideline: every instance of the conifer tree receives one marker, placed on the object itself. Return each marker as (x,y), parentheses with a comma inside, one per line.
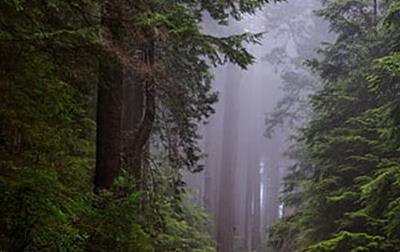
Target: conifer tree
(347,201)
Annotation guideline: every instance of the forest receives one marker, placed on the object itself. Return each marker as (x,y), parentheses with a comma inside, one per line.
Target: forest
(200,125)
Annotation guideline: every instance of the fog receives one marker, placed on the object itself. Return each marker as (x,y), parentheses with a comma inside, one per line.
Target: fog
(259,110)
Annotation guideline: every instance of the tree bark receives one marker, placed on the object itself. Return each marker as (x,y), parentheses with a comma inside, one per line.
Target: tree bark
(126,97)
(109,101)
(214,136)
(139,115)
(226,207)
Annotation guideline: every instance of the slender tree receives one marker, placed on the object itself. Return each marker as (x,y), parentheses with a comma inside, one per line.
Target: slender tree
(226,208)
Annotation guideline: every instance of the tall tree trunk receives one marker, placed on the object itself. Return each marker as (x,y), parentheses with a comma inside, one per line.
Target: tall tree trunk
(252,236)
(139,114)
(226,207)
(273,184)
(212,167)
(213,139)
(109,100)
(248,209)
(256,236)
(126,98)
(145,128)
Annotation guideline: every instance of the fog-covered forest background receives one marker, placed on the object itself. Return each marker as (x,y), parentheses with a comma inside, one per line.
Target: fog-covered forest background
(259,111)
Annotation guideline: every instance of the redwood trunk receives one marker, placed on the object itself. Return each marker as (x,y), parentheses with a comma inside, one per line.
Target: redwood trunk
(226,208)
(109,102)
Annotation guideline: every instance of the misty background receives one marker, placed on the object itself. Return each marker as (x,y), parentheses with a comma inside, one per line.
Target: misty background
(248,140)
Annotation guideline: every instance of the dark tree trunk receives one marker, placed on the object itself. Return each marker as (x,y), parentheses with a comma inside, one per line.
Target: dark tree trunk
(109,119)
(109,101)
(132,117)
(126,98)
(139,114)
(138,147)
(140,143)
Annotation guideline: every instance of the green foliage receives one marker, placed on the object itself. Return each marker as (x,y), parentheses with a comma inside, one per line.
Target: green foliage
(36,215)
(40,214)
(349,197)
(113,222)
(185,231)
(46,132)
(352,242)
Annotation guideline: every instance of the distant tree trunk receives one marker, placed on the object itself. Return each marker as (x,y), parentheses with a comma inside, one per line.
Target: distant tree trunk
(226,208)
(253,219)
(273,187)
(240,189)
(109,100)
(208,181)
(248,211)
(256,236)
(265,205)
(213,162)
(214,136)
